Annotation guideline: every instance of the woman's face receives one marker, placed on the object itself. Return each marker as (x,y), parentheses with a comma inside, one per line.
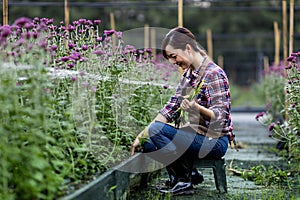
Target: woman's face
(182,58)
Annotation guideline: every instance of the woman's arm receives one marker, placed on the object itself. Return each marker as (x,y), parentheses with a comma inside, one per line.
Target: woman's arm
(144,133)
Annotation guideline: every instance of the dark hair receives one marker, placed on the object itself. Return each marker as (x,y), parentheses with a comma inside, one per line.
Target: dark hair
(178,38)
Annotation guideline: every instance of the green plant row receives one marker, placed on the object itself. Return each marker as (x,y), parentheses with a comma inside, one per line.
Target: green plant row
(58,132)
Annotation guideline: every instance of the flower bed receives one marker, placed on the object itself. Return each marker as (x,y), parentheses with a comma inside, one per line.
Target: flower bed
(282,116)
(71,103)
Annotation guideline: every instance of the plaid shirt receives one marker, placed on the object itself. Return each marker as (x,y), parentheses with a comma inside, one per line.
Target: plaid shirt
(214,95)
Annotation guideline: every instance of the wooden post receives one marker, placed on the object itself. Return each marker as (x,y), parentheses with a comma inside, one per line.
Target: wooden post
(292,5)
(112,27)
(284,21)
(221,61)
(209,43)
(277,44)
(180,24)
(284,25)
(266,64)
(180,13)
(67,13)
(5,12)
(153,43)
(146,36)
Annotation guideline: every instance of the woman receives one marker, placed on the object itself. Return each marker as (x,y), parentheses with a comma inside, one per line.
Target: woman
(203,94)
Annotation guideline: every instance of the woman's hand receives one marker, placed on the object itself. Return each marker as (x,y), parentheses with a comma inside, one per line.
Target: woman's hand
(134,144)
(188,106)
(137,141)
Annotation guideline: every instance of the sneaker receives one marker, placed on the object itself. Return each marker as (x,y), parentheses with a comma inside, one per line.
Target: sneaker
(181,188)
(197,177)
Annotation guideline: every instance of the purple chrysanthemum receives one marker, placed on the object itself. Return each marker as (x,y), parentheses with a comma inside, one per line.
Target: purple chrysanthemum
(71,45)
(99,52)
(65,58)
(119,34)
(271,127)
(71,28)
(97,21)
(259,115)
(109,32)
(20,22)
(5,31)
(85,47)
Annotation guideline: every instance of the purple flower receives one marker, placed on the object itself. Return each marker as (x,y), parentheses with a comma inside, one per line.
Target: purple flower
(99,39)
(71,45)
(83,59)
(165,86)
(148,50)
(89,23)
(294,54)
(75,56)
(82,21)
(119,34)
(71,28)
(271,127)
(20,22)
(99,52)
(292,59)
(107,39)
(36,20)
(27,35)
(35,35)
(109,32)
(46,21)
(73,78)
(70,65)
(259,115)
(289,66)
(53,48)
(85,47)
(43,44)
(29,25)
(65,59)
(5,31)
(97,21)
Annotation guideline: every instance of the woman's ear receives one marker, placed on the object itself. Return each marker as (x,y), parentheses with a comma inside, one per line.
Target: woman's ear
(188,47)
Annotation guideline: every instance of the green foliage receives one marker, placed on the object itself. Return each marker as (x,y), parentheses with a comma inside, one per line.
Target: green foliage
(26,148)
(266,176)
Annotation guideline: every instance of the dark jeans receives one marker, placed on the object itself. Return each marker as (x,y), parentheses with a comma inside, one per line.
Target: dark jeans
(177,148)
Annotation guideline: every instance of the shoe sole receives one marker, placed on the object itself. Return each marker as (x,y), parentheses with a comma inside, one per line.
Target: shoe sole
(187,192)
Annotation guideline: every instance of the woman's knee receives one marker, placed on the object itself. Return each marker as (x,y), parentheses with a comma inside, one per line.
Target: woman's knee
(155,128)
